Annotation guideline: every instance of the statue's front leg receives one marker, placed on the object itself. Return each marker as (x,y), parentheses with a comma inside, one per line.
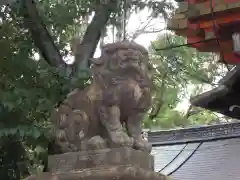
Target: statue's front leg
(134,130)
(110,118)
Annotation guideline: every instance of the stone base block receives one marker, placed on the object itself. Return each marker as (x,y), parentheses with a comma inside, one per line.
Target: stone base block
(105,157)
(103,173)
(105,164)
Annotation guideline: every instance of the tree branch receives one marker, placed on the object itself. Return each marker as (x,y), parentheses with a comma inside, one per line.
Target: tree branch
(93,33)
(86,49)
(143,28)
(157,107)
(40,34)
(142,31)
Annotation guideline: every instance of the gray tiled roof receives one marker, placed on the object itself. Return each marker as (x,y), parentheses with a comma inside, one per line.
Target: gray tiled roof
(217,159)
(163,155)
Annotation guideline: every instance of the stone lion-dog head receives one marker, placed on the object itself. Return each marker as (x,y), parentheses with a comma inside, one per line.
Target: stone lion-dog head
(123,58)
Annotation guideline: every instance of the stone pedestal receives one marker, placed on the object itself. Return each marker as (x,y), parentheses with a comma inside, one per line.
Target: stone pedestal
(106,164)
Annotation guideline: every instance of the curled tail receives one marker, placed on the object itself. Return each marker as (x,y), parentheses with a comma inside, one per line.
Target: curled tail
(70,127)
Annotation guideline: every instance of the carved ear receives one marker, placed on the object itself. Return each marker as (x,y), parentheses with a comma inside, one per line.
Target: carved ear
(97,61)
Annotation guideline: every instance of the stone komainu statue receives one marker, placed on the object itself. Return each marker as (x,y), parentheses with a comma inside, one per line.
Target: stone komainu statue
(118,96)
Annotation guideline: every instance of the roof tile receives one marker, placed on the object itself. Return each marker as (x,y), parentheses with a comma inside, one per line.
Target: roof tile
(215,160)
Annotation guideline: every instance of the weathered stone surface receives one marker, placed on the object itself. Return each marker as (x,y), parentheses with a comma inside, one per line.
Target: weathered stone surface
(106,157)
(106,173)
(88,125)
(106,164)
(119,95)
(43,176)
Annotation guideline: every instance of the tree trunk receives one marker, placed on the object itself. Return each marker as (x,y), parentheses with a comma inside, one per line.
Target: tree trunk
(40,34)
(188,113)
(44,41)
(92,35)
(157,107)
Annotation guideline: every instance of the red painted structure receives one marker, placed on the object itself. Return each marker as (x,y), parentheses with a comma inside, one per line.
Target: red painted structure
(221,25)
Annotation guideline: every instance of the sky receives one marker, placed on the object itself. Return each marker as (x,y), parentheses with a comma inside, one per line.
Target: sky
(137,21)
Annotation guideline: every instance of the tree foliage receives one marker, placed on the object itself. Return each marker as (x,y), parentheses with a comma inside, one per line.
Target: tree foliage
(30,86)
(177,74)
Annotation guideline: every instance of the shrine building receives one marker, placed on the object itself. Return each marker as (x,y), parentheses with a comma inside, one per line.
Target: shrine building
(206,152)
(201,153)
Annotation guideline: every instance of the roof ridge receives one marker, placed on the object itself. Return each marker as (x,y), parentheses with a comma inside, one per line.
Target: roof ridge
(194,134)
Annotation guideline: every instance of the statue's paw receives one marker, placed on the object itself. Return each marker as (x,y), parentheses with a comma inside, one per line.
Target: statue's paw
(142,145)
(96,142)
(121,139)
